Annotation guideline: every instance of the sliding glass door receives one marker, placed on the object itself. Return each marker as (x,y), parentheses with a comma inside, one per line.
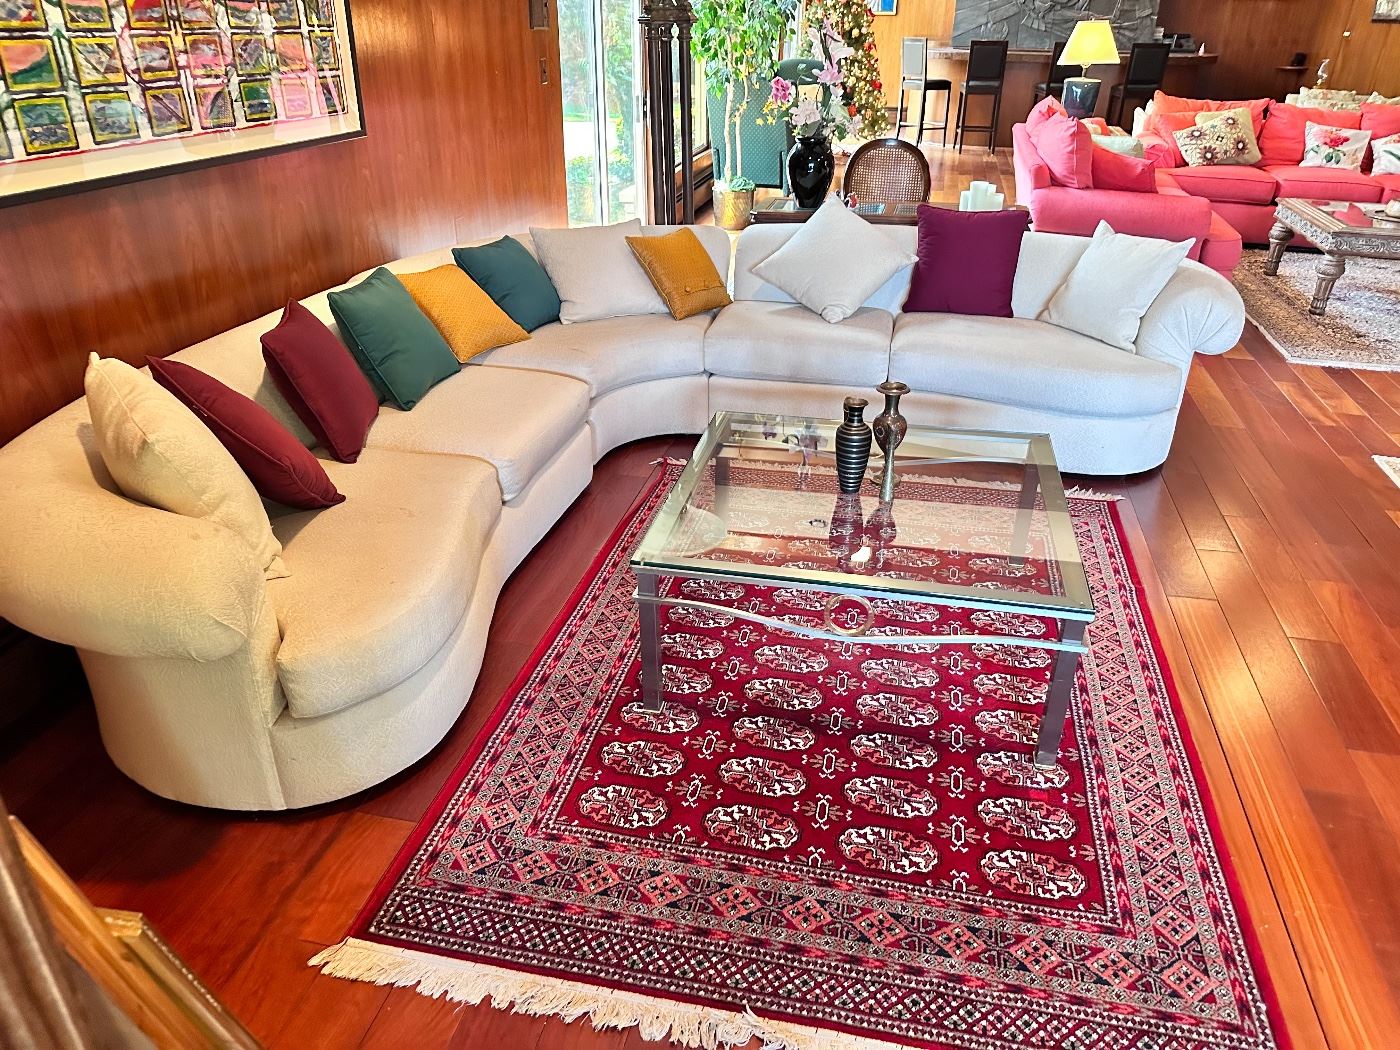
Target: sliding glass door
(600,52)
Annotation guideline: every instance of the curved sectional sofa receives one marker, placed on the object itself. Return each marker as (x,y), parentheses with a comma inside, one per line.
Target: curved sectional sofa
(218,688)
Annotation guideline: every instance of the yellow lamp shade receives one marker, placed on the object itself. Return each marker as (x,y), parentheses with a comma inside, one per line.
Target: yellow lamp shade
(1091,44)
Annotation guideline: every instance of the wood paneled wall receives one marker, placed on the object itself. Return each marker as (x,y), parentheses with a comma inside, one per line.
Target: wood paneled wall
(464,140)
(1254,37)
(930,18)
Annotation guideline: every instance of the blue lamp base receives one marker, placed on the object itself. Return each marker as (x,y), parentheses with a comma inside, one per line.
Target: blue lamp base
(1080,96)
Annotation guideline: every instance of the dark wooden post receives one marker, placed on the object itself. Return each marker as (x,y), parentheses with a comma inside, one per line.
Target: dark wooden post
(666,23)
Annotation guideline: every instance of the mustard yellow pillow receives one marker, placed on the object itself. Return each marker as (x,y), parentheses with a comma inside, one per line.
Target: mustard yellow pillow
(682,271)
(464,314)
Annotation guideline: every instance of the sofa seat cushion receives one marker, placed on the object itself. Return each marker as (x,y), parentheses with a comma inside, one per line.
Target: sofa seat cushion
(513,419)
(1390,186)
(1017,361)
(1338,184)
(381,581)
(1227,182)
(785,341)
(612,352)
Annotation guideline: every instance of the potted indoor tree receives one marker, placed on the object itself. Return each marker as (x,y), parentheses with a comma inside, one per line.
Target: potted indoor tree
(737,42)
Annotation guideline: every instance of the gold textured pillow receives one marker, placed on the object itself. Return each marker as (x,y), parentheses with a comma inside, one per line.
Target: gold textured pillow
(465,315)
(160,454)
(1219,137)
(682,271)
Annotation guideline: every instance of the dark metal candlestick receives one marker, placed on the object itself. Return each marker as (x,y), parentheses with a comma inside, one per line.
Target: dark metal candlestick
(663,23)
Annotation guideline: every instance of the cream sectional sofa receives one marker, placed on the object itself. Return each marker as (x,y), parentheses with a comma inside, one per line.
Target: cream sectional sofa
(218,688)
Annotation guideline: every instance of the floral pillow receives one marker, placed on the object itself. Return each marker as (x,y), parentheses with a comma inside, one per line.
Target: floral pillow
(1224,137)
(1326,147)
(1386,154)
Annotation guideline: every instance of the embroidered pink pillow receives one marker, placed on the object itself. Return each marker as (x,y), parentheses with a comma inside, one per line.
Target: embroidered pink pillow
(1067,147)
(1328,147)
(1118,171)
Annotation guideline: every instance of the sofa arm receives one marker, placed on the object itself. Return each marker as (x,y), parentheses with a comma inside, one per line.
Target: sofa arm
(82,565)
(1059,209)
(1198,312)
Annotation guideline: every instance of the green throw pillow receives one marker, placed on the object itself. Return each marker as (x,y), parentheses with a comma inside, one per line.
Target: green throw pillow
(393,341)
(509,274)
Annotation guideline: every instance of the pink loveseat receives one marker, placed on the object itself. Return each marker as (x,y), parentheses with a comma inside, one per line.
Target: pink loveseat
(1171,213)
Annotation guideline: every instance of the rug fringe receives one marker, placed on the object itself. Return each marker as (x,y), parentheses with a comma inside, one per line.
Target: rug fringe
(654,1018)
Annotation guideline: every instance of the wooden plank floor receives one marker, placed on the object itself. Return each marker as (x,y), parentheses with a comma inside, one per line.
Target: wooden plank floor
(1270,549)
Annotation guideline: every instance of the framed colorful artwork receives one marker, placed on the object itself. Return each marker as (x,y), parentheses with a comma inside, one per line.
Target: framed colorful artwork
(155,57)
(256,96)
(22,14)
(146,14)
(111,117)
(86,16)
(45,124)
(29,64)
(97,60)
(883,7)
(213,106)
(94,92)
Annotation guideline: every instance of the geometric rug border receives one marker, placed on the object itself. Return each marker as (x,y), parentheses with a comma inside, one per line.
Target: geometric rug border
(688,1020)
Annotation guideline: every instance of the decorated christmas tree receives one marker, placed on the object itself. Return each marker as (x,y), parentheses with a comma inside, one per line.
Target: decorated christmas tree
(853,22)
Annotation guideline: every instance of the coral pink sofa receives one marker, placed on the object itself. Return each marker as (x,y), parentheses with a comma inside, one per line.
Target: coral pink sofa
(1245,197)
(1171,213)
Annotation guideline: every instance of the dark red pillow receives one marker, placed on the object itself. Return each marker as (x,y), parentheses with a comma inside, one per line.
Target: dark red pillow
(280,467)
(1118,171)
(967,261)
(321,381)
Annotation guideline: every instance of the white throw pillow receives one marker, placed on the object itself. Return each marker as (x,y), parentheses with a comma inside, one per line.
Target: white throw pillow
(1326,147)
(1112,285)
(160,454)
(1386,152)
(1127,145)
(1140,116)
(834,262)
(595,273)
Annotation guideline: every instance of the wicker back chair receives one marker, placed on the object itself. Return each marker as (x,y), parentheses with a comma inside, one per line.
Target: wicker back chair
(888,170)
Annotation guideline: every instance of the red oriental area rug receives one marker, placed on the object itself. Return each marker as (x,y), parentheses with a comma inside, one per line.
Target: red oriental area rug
(825,846)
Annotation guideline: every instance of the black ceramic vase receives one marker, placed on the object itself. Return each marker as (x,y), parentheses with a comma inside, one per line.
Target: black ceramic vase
(852,446)
(811,167)
(889,427)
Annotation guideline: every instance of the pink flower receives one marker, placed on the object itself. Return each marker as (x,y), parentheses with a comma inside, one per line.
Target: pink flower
(1335,140)
(783,91)
(830,73)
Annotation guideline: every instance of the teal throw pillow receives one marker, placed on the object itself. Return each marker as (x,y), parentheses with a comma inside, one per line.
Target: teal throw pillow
(510,275)
(393,341)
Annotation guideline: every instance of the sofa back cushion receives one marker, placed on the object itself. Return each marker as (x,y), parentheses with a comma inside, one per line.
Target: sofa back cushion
(1118,171)
(1282,140)
(760,241)
(1382,120)
(1258,107)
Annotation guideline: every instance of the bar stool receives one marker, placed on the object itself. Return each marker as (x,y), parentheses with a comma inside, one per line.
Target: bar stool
(1147,65)
(986,73)
(913,76)
(1055,83)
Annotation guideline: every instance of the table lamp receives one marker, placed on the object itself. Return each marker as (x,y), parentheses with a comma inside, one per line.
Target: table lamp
(1090,44)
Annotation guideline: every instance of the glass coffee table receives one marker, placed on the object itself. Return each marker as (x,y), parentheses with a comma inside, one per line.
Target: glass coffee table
(979,521)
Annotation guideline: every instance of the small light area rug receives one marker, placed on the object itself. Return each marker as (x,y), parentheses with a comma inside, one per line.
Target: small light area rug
(826,846)
(1362,325)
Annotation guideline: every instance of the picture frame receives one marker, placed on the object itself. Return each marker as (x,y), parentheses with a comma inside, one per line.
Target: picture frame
(884,7)
(168,56)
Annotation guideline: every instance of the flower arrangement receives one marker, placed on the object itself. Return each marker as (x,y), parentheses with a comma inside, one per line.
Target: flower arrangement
(819,108)
(854,22)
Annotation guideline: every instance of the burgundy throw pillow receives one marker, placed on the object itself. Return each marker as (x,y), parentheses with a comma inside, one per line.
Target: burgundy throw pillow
(280,467)
(321,381)
(1118,171)
(967,261)
(1066,146)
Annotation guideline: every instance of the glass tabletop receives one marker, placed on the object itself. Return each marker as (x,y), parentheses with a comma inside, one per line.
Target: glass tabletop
(978,519)
(1358,216)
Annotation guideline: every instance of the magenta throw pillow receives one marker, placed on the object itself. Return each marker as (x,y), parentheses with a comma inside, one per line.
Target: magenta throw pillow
(967,261)
(280,467)
(1066,146)
(321,382)
(1117,171)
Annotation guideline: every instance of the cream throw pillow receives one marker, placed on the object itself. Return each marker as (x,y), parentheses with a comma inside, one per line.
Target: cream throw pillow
(159,453)
(1326,147)
(1113,284)
(1124,144)
(1385,155)
(595,272)
(834,262)
(1219,137)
